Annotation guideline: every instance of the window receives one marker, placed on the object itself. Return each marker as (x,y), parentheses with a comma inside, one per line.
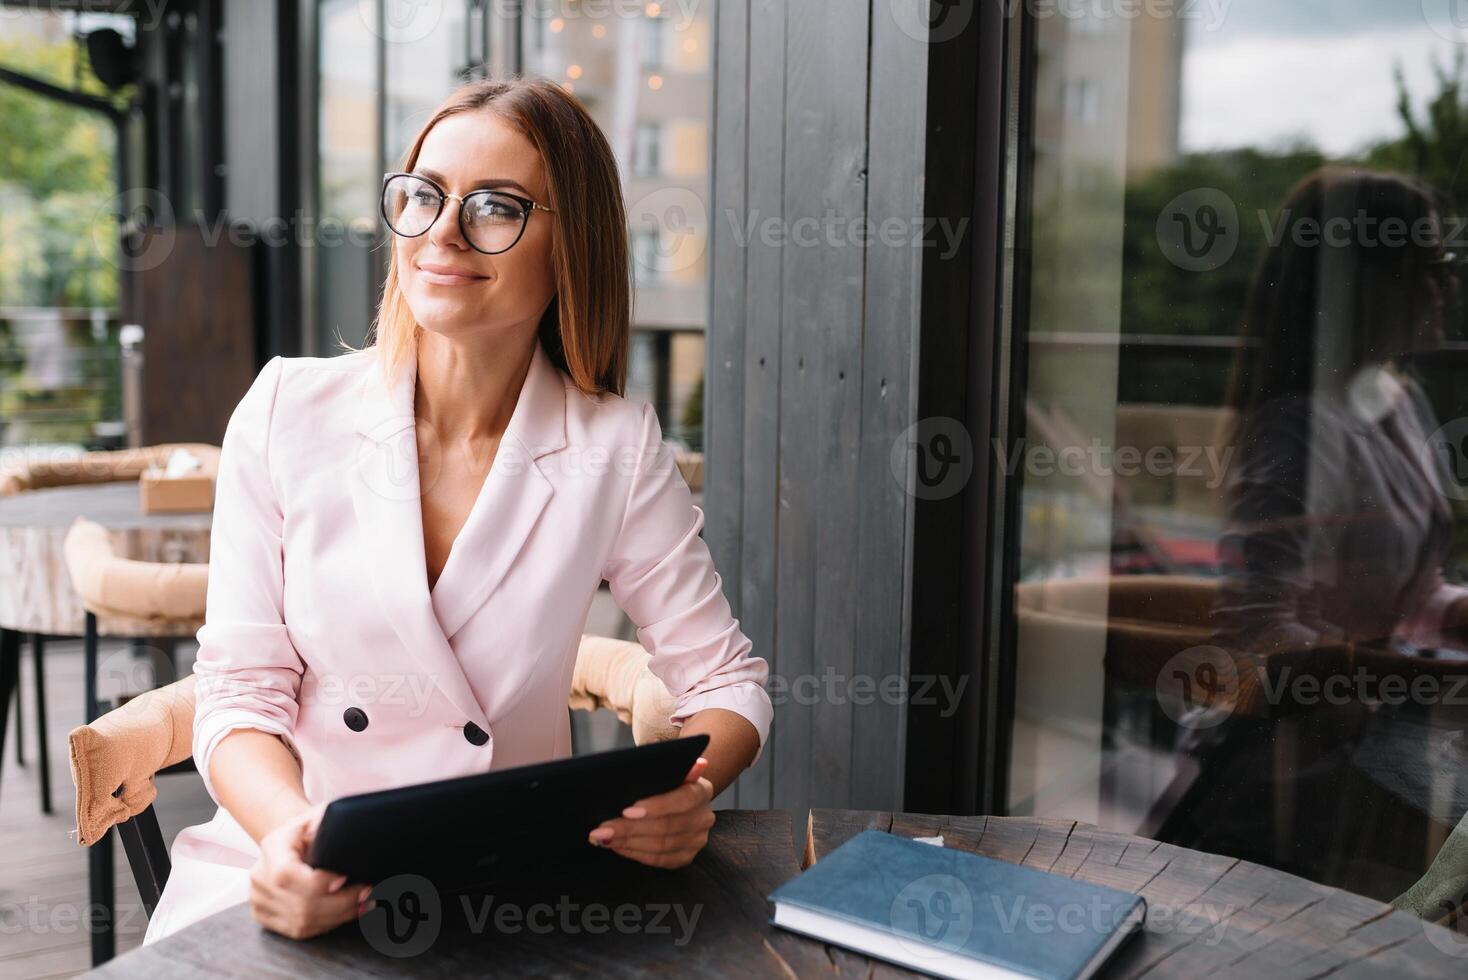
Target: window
(647,81)
(1241,531)
(654,30)
(647,149)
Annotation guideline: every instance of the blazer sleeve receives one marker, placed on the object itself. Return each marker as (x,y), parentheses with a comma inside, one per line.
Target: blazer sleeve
(248,672)
(662,576)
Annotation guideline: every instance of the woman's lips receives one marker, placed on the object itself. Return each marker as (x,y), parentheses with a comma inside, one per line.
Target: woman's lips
(445,276)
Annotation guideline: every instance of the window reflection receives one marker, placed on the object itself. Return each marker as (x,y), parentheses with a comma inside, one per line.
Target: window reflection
(1241,623)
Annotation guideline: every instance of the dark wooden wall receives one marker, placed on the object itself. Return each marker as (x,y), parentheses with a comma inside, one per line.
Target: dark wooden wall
(820,113)
(198,311)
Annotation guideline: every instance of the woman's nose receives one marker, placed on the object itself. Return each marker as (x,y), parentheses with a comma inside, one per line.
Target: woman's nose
(445,231)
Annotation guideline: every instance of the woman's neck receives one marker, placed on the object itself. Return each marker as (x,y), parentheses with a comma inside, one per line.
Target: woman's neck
(467,392)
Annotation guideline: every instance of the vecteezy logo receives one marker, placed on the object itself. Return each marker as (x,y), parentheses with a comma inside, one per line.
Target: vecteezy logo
(1199,231)
(1447,18)
(403,21)
(135,230)
(1199,687)
(674,222)
(1448,899)
(1445,453)
(932,22)
(933,915)
(942,457)
(405,917)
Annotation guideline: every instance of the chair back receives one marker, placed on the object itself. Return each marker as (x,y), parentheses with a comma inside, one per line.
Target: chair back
(115,588)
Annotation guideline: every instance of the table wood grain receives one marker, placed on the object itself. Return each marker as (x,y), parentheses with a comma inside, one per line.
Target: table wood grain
(1210,915)
(35,589)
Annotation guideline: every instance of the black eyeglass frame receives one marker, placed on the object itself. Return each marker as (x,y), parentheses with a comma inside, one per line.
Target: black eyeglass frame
(526,206)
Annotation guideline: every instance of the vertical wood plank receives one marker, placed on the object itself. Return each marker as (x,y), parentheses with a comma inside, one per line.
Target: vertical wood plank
(724,358)
(820,404)
(760,407)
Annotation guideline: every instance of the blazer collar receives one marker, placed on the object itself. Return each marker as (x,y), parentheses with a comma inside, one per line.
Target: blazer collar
(387,500)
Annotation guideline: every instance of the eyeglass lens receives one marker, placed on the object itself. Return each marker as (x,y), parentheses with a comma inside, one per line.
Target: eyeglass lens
(491,221)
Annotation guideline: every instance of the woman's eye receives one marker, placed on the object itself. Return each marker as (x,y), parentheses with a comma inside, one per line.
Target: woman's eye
(491,210)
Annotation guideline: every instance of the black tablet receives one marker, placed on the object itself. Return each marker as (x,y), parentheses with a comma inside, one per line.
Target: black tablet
(476,829)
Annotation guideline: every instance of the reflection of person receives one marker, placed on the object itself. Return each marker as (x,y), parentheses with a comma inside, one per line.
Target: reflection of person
(407,538)
(1337,525)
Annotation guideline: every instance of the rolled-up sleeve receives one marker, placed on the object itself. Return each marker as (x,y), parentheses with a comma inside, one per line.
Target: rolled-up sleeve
(662,576)
(248,672)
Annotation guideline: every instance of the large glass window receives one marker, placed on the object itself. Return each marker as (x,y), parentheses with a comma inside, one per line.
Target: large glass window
(59,252)
(1240,619)
(644,73)
(348,174)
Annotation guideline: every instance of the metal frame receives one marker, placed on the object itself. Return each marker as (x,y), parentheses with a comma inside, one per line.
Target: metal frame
(10,657)
(142,838)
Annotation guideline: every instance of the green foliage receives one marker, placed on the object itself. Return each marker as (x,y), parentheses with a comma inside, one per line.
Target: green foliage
(1158,297)
(56,179)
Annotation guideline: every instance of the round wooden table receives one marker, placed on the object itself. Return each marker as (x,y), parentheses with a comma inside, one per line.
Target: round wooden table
(35,589)
(1208,915)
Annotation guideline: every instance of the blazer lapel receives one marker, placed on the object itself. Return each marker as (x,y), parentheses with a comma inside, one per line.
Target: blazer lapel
(387,500)
(511,501)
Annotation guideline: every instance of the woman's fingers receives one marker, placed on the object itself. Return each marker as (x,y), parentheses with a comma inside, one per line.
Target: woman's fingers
(692,794)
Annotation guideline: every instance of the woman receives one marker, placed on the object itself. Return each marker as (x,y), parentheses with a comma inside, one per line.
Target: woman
(407,538)
(1338,519)
(1337,531)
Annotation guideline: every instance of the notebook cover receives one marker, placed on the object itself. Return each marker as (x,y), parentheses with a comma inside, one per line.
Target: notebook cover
(937,898)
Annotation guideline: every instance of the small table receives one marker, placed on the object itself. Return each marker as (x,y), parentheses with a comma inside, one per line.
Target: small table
(711,918)
(35,589)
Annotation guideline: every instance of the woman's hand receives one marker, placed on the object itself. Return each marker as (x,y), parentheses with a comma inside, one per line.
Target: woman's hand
(667,830)
(289,896)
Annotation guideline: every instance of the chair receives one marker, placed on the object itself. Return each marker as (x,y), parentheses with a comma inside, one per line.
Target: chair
(132,599)
(114,761)
(43,472)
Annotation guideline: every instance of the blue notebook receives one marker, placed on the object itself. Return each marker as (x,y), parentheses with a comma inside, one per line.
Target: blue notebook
(955,914)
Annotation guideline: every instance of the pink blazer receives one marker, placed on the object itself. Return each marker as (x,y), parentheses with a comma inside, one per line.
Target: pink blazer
(321,628)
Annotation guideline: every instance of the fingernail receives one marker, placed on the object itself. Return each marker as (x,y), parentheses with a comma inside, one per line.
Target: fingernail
(602,835)
(364,894)
(593,842)
(634,813)
(336,886)
(703,760)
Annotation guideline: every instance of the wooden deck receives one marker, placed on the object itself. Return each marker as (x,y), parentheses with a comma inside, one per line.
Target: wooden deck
(43,873)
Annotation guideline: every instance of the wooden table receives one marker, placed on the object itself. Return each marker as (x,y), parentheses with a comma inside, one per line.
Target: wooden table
(35,590)
(1245,921)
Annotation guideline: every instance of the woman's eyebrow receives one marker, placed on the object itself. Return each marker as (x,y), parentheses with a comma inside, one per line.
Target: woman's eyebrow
(488,182)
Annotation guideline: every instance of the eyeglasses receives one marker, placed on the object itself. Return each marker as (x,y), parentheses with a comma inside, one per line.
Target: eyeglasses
(492,221)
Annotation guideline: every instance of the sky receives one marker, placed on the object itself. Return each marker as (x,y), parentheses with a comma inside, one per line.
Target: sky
(1279,71)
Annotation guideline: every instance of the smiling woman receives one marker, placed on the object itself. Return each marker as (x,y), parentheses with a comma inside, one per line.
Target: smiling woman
(496,476)
(534,140)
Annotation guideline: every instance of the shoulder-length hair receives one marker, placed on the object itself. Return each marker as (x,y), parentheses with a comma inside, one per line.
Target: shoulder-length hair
(585,329)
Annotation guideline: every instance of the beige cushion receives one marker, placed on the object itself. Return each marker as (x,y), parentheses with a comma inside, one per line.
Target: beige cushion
(113,759)
(115,587)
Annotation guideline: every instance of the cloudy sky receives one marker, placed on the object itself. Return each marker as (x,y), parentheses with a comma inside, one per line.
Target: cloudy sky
(1278,71)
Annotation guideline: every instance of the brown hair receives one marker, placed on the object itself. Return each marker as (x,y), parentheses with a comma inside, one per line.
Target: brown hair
(585,329)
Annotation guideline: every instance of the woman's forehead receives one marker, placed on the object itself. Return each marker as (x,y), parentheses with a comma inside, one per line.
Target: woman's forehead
(472,148)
